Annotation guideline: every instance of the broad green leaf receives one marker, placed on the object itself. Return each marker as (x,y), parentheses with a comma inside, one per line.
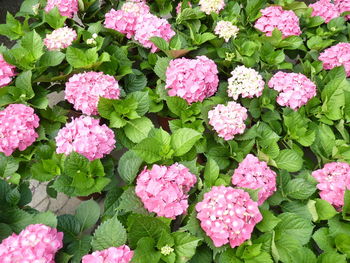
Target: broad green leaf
(269,221)
(338,227)
(185,246)
(137,130)
(79,248)
(135,82)
(79,58)
(286,247)
(24,83)
(342,242)
(88,213)
(346,207)
(110,233)
(323,240)
(331,257)
(299,188)
(54,18)
(70,226)
(182,140)
(289,160)
(129,166)
(145,251)
(211,172)
(160,43)
(47,218)
(176,105)
(324,209)
(8,165)
(161,67)
(130,202)
(33,43)
(51,59)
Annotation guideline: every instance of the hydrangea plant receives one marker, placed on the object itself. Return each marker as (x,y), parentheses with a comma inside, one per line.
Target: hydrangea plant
(211,130)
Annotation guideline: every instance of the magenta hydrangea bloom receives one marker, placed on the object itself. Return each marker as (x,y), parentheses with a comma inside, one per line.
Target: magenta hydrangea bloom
(254,174)
(126,19)
(66,7)
(121,254)
(325,9)
(343,6)
(60,38)
(149,26)
(275,17)
(228,215)
(228,120)
(7,71)
(84,90)
(87,137)
(192,79)
(335,56)
(333,179)
(17,128)
(295,89)
(164,189)
(35,244)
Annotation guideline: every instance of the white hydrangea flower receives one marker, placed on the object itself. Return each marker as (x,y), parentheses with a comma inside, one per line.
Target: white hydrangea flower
(60,38)
(246,82)
(226,30)
(208,6)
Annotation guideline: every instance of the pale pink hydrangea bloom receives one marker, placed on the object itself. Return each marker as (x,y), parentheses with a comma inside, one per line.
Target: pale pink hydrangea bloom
(66,7)
(295,89)
(126,19)
(228,120)
(85,89)
(87,137)
(275,17)
(35,244)
(325,9)
(226,30)
(60,38)
(7,71)
(228,215)
(335,56)
(209,6)
(164,189)
(149,26)
(17,128)
(343,6)
(246,82)
(192,79)
(333,179)
(178,7)
(121,254)
(254,174)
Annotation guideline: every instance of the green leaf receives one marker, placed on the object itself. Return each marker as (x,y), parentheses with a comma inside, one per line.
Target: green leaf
(176,105)
(12,29)
(143,102)
(342,242)
(145,251)
(346,207)
(269,221)
(289,160)
(130,202)
(75,164)
(54,18)
(331,257)
(70,226)
(79,248)
(8,165)
(24,83)
(324,209)
(160,43)
(129,166)
(87,213)
(323,240)
(287,247)
(79,58)
(135,82)
(211,172)
(253,8)
(229,256)
(185,246)
(295,226)
(33,43)
(47,218)
(182,140)
(137,130)
(51,59)
(161,67)
(110,233)
(299,188)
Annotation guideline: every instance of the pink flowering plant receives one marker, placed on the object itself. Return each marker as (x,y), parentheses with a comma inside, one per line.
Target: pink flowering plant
(195,131)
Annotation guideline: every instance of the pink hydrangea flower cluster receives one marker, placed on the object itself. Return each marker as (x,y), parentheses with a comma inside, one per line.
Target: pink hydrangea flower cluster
(333,179)
(85,89)
(135,20)
(66,7)
(228,120)
(192,79)
(60,38)
(275,17)
(121,254)
(17,128)
(228,215)
(325,9)
(87,137)
(295,89)
(126,19)
(151,26)
(163,189)
(7,71)
(36,243)
(335,56)
(209,6)
(343,6)
(254,174)
(246,82)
